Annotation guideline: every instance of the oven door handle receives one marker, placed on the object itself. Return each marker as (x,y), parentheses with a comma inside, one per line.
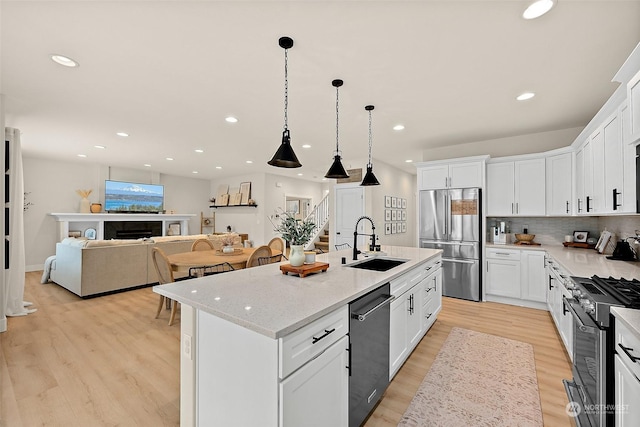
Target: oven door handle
(576,317)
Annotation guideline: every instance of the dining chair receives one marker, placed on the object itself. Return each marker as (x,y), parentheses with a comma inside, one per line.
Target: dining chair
(165,275)
(343,246)
(262,251)
(209,270)
(277,244)
(202,245)
(264,260)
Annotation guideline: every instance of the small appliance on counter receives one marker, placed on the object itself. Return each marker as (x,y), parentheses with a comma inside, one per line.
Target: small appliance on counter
(623,252)
(499,233)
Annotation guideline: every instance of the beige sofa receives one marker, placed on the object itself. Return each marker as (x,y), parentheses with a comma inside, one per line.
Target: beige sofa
(93,267)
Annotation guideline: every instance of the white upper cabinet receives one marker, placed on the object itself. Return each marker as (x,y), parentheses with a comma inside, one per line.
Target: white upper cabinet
(558,184)
(633,98)
(437,175)
(613,165)
(628,163)
(596,201)
(516,188)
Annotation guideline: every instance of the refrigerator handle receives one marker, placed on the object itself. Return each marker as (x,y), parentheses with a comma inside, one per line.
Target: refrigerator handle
(446,215)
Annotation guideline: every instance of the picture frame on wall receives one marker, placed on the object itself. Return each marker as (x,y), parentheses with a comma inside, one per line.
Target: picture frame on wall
(394,202)
(394,216)
(404,215)
(387,214)
(404,203)
(387,201)
(245,190)
(398,215)
(580,236)
(387,228)
(394,228)
(404,227)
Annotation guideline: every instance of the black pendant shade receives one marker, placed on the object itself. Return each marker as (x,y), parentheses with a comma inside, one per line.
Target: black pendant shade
(337,170)
(370,178)
(285,157)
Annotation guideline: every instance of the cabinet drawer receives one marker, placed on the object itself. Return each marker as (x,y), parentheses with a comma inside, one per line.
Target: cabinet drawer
(631,344)
(497,253)
(302,345)
(429,289)
(408,280)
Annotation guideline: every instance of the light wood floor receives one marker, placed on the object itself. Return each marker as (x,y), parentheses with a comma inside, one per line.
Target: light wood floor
(107,361)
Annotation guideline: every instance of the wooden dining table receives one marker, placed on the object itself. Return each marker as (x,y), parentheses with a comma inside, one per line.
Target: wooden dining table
(183,261)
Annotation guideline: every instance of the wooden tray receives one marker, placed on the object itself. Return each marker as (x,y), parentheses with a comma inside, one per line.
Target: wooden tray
(236,251)
(304,269)
(578,245)
(526,243)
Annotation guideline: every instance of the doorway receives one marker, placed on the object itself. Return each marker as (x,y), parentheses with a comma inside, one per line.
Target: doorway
(348,208)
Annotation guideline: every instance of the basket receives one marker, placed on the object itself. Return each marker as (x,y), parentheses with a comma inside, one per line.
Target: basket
(525,237)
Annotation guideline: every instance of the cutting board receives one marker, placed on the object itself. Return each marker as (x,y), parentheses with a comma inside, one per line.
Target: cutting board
(304,269)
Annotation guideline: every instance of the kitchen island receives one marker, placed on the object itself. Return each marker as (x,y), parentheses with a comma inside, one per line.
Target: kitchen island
(243,337)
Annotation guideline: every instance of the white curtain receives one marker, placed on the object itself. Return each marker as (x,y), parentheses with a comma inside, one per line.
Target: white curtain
(14,276)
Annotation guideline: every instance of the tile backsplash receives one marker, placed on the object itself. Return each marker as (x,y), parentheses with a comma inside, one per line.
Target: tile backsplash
(551,230)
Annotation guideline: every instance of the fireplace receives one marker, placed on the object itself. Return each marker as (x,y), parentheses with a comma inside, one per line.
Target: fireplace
(131,229)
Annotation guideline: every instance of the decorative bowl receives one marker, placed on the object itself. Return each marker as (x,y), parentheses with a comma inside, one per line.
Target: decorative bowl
(525,237)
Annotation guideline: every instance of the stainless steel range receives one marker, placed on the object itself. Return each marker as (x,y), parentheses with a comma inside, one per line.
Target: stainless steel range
(591,395)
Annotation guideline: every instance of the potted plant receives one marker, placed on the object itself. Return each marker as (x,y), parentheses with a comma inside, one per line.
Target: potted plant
(297,233)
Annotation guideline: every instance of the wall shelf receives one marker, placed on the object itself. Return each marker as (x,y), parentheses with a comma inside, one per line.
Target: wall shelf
(233,206)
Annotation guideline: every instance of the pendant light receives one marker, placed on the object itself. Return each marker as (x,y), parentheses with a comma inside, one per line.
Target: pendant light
(337,170)
(285,157)
(370,178)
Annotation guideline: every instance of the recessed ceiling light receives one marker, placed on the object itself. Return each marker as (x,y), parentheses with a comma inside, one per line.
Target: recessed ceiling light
(408,161)
(218,167)
(169,158)
(525,96)
(147,165)
(324,179)
(102,147)
(199,151)
(249,161)
(300,174)
(248,307)
(306,146)
(398,127)
(82,155)
(231,119)
(122,134)
(194,172)
(64,60)
(537,9)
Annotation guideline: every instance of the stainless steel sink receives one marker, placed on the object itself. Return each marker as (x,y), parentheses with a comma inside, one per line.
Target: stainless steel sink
(378,264)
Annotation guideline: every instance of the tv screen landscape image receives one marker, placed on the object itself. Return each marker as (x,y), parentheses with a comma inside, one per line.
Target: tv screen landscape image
(132,197)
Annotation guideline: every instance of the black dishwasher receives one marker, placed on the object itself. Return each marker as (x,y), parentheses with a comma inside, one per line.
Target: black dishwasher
(369,352)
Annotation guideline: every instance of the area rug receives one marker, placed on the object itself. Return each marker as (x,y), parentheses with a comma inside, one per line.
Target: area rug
(478,380)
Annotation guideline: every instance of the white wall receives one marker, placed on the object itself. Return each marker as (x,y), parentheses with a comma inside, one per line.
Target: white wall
(269,192)
(510,146)
(52,187)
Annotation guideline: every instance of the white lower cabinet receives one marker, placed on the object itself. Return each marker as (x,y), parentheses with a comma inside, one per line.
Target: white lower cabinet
(414,311)
(318,393)
(627,372)
(562,317)
(532,276)
(503,272)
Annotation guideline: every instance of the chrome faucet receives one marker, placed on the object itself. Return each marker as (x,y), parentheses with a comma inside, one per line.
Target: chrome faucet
(355,236)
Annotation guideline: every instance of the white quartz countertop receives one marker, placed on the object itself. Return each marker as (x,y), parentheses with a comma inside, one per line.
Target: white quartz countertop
(583,262)
(266,301)
(629,316)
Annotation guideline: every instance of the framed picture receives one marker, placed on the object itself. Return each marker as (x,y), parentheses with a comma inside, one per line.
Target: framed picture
(235,198)
(387,201)
(394,202)
(404,215)
(394,216)
(398,215)
(580,236)
(404,227)
(387,214)
(222,200)
(387,228)
(245,190)
(404,203)
(90,233)
(394,228)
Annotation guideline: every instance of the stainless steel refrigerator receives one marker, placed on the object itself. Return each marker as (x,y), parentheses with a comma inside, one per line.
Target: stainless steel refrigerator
(451,220)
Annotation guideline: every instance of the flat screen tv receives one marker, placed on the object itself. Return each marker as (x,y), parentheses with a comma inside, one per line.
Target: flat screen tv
(130,197)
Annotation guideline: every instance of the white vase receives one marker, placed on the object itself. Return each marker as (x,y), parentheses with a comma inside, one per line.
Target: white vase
(227,249)
(296,257)
(85,205)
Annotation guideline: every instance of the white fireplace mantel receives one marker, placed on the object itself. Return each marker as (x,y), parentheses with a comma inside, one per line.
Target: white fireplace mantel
(84,221)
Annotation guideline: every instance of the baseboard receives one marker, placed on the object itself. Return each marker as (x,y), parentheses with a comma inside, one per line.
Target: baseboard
(517,301)
(3,324)
(34,267)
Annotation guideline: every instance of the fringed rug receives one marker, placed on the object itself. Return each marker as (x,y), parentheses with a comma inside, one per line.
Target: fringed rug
(478,380)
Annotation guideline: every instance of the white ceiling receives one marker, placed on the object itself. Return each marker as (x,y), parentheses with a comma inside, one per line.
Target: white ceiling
(169,72)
